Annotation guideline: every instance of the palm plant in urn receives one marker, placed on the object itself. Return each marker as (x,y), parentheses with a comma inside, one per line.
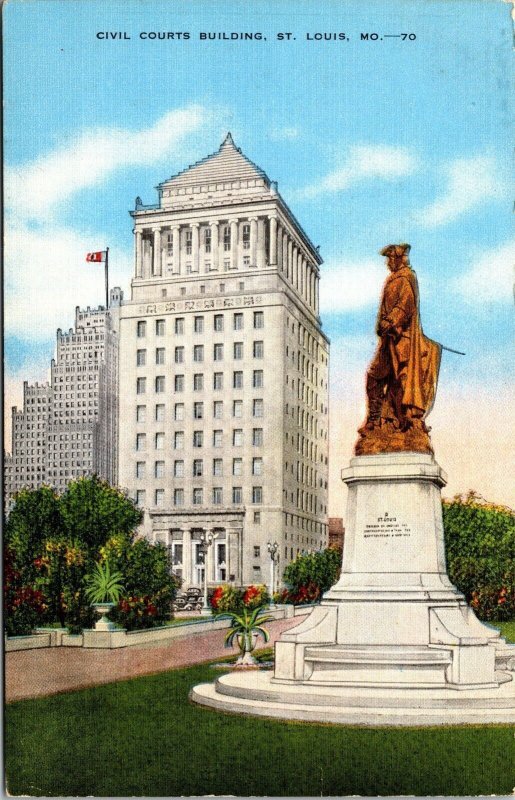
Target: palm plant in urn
(246,627)
(103,589)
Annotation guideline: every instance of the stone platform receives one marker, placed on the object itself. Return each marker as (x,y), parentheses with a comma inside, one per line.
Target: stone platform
(393,642)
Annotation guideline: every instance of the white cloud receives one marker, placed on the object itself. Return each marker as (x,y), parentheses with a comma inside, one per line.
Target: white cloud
(365,162)
(470,182)
(286,133)
(350,285)
(34,190)
(491,277)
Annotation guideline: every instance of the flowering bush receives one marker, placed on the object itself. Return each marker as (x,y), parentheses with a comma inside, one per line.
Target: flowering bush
(229,599)
(310,575)
(24,606)
(136,612)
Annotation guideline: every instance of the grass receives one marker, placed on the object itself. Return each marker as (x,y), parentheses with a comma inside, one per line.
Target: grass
(142,737)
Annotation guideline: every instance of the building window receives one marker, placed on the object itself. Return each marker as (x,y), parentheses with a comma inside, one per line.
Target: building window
(198,382)
(259,319)
(179,383)
(207,240)
(141,358)
(257,494)
(140,497)
(221,287)
(178,497)
(198,352)
(246,261)
(218,380)
(218,409)
(141,329)
(159,497)
(256,573)
(160,412)
(258,349)
(179,326)
(198,324)
(238,350)
(218,322)
(159,469)
(207,266)
(217,438)
(257,551)
(237,408)
(169,244)
(245,237)
(141,441)
(188,238)
(257,517)
(179,355)
(183,291)
(257,379)
(257,437)
(160,441)
(178,411)
(198,497)
(198,410)
(227,265)
(227,237)
(237,322)
(237,495)
(237,437)
(141,385)
(141,413)
(160,383)
(218,352)
(178,440)
(217,495)
(160,355)
(237,380)
(257,466)
(198,438)
(178,469)
(237,466)
(140,469)
(257,408)
(198,467)
(160,327)
(218,467)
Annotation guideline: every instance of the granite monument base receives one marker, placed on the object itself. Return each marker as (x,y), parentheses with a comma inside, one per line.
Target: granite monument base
(393,642)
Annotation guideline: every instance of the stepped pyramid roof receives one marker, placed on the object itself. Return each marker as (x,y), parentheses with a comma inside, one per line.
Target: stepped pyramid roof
(228,163)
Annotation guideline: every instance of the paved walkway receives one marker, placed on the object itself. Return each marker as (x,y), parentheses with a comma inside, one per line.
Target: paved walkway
(34,673)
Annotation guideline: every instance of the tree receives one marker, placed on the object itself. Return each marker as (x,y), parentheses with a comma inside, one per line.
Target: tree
(92,511)
(311,574)
(480,550)
(34,518)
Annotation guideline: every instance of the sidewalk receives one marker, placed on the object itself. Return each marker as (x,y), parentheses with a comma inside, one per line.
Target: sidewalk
(35,673)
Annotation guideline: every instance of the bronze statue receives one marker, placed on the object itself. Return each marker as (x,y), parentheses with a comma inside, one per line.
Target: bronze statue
(402,378)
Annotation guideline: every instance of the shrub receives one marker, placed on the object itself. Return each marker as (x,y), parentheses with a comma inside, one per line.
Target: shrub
(229,599)
(480,550)
(24,606)
(310,575)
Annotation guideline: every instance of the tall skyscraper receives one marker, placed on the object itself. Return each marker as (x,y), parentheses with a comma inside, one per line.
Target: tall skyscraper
(224,373)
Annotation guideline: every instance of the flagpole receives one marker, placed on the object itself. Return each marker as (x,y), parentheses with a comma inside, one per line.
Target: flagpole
(107,278)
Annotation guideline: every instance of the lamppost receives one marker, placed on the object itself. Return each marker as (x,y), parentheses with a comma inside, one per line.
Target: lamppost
(206,540)
(273,552)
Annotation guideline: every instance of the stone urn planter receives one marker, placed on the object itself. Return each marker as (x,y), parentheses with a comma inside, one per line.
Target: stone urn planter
(104,624)
(245,629)
(247,643)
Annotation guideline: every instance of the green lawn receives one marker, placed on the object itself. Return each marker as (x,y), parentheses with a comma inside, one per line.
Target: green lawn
(142,737)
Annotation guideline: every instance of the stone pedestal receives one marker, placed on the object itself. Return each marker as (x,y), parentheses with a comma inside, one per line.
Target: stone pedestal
(393,642)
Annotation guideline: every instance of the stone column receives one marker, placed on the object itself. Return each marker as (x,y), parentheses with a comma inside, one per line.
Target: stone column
(279,247)
(317,287)
(234,243)
(156,252)
(290,260)
(253,240)
(195,246)
(234,555)
(302,274)
(214,244)
(285,252)
(295,265)
(186,559)
(139,253)
(272,258)
(176,244)
(260,260)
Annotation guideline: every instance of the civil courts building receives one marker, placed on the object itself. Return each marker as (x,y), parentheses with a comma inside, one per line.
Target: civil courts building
(223,374)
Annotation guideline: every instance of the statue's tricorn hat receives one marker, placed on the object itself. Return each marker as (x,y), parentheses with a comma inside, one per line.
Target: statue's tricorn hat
(398,249)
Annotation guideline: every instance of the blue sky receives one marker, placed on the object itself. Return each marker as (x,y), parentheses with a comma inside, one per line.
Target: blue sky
(370,142)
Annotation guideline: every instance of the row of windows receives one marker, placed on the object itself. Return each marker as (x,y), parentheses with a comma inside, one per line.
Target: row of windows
(198,439)
(198,353)
(207,239)
(179,382)
(197,468)
(197,496)
(198,324)
(198,411)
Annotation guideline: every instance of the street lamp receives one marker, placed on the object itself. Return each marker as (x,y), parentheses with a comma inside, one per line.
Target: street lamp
(273,552)
(206,540)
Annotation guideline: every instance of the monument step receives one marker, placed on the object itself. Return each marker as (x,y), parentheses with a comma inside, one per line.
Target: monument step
(369,654)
